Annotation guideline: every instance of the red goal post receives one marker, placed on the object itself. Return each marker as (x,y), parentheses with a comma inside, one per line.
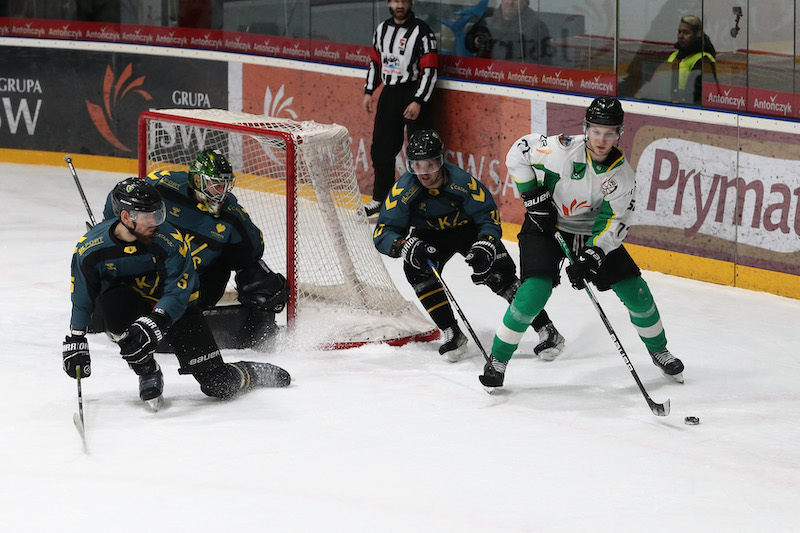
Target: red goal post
(297,182)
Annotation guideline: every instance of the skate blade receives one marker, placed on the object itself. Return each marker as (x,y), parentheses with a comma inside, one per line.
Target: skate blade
(156,403)
(454,356)
(490,390)
(677,378)
(550,353)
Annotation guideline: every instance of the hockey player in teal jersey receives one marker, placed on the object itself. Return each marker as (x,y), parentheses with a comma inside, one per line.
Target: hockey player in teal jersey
(137,268)
(221,238)
(436,210)
(583,186)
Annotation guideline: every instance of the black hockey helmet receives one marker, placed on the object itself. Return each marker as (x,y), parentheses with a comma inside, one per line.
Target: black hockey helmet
(424,144)
(136,196)
(606,111)
(211,177)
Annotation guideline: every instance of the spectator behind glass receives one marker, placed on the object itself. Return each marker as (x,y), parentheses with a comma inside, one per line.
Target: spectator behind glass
(695,55)
(511,33)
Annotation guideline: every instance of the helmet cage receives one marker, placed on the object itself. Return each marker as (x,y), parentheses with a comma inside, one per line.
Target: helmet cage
(212,190)
(211,177)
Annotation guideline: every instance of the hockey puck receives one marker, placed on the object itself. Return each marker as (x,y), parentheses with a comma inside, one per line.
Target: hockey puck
(691,420)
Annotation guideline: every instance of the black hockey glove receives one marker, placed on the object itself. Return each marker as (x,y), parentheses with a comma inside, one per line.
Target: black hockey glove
(75,354)
(416,253)
(262,289)
(587,264)
(539,204)
(482,254)
(139,341)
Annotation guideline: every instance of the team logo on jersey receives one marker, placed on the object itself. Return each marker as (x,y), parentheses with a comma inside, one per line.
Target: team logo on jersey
(129,250)
(575,207)
(111,266)
(565,140)
(221,228)
(609,186)
(403,42)
(578,170)
(175,211)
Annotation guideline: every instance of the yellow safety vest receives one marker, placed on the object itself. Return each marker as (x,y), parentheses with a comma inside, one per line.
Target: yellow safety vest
(687,64)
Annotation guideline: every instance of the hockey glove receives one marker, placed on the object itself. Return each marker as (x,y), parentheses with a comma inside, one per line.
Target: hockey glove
(139,341)
(75,354)
(482,254)
(540,209)
(587,264)
(416,253)
(262,289)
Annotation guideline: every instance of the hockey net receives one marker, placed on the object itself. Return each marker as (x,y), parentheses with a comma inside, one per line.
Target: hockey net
(297,182)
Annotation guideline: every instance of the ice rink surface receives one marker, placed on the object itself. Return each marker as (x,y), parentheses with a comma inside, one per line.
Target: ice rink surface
(395,439)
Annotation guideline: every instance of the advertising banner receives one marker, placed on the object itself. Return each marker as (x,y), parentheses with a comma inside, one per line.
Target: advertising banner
(710,192)
(89,102)
(325,98)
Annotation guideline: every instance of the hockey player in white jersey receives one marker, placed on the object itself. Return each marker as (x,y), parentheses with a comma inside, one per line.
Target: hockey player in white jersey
(583,186)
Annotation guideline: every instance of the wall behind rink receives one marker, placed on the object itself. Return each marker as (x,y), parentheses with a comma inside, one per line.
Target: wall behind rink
(717,196)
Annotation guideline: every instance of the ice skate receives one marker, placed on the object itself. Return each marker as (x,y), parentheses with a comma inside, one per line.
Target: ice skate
(551,343)
(371,208)
(493,375)
(671,366)
(257,375)
(151,387)
(454,345)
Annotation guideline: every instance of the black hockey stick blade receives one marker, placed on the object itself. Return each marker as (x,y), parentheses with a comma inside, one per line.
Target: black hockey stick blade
(76,418)
(659,409)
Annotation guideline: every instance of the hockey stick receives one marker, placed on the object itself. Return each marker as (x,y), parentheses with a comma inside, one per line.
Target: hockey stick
(77,418)
(68,160)
(659,409)
(458,309)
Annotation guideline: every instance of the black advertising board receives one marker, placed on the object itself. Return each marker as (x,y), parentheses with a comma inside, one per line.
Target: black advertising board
(89,102)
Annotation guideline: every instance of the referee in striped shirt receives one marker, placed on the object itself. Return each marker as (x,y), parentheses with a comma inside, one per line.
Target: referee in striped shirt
(405,60)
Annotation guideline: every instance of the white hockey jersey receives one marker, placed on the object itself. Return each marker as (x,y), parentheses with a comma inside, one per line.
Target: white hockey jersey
(593,199)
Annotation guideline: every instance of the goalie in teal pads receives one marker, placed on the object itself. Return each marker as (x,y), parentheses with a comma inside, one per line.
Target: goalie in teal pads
(436,210)
(582,186)
(221,239)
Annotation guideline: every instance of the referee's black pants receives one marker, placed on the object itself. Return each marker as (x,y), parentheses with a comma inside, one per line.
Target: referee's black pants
(387,133)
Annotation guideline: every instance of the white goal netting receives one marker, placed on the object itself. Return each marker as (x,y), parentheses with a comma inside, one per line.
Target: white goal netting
(297,182)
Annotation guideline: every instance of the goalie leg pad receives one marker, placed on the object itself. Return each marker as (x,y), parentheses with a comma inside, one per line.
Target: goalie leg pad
(238,327)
